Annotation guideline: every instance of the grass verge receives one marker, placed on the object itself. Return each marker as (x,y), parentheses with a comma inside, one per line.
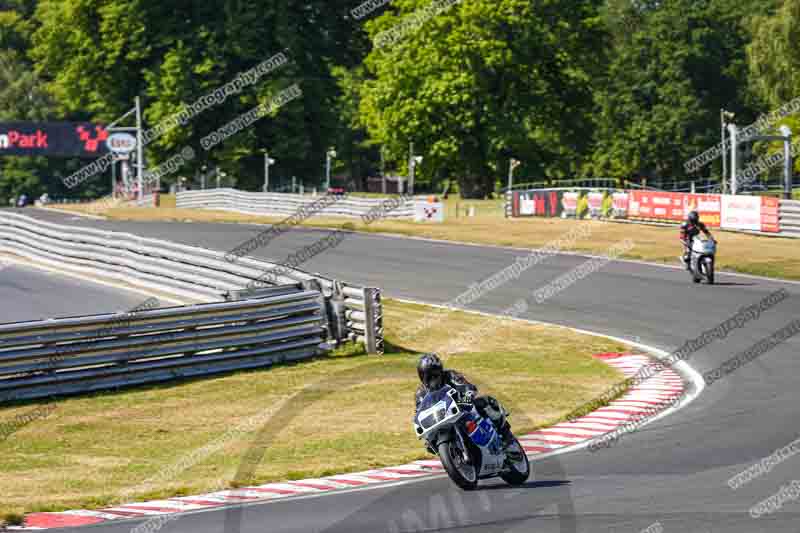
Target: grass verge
(777,257)
(340,413)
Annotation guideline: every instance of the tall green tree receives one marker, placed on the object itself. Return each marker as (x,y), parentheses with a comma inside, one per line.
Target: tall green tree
(675,64)
(483,81)
(101,54)
(774,54)
(774,61)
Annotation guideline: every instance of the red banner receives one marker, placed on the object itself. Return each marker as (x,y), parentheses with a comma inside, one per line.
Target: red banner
(769,214)
(674,206)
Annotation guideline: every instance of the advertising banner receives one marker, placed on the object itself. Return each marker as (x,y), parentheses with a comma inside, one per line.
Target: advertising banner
(770,221)
(428,212)
(595,203)
(542,203)
(708,205)
(657,205)
(741,212)
(569,204)
(752,213)
(620,204)
(56,139)
(674,206)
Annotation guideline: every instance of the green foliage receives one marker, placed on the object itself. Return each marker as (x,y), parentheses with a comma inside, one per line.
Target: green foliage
(608,204)
(483,81)
(583,206)
(675,64)
(773,54)
(571,88)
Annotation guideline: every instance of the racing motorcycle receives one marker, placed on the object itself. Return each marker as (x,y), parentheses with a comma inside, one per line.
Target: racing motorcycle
(701,260)
(467,443)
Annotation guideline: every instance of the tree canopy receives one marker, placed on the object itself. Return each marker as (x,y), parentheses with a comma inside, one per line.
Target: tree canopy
(571,88)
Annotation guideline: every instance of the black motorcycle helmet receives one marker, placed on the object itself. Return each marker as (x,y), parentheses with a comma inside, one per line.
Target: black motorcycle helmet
(431,371)
(693,217)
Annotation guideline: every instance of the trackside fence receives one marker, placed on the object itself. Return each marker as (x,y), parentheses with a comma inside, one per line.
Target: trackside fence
(286,204)
(77,355)
(790,217)
(344,312)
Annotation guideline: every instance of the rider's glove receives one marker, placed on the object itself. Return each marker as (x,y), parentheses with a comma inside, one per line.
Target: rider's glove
(469,396)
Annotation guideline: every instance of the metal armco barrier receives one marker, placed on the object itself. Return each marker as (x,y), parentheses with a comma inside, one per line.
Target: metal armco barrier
(284,204)
(789,213)
(76,355)
(184,272)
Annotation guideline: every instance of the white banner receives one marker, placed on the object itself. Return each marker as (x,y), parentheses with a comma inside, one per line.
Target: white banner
(428,212)
(526,205)
(741,212)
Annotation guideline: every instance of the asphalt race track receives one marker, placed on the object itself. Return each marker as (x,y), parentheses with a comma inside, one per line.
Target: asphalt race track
(673,472)
(30,294)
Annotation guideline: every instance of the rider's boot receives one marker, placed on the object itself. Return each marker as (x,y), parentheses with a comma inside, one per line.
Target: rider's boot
(510,445)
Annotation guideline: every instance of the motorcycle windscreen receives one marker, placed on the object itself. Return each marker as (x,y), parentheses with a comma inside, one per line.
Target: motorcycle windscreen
(427,415)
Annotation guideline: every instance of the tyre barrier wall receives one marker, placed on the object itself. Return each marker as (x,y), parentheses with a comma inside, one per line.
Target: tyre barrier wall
(64,356)
(187,273)
(286,204)
(746,213)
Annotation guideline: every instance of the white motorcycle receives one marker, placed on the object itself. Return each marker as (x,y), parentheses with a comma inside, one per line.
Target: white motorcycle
(702,259)
(467,443)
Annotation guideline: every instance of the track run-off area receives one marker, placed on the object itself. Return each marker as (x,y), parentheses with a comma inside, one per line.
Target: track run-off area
(673,472)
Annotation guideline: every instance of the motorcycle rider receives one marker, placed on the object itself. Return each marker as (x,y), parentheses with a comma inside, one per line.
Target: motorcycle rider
(689,230)
(433,376)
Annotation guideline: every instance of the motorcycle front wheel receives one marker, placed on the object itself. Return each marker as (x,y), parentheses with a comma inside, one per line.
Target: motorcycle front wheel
(520,469)
(710,270)
(463,473)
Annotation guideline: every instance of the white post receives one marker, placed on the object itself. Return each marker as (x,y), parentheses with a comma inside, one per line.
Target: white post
(787,162)
(724,155)
(139,148)
(411,177)
(734,168)
(327,172)
(693,189)
(266,171)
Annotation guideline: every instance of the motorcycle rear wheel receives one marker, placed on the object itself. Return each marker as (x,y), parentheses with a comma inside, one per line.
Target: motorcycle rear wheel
(464,475)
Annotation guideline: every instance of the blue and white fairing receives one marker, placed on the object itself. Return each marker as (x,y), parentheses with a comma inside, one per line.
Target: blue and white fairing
(439,411)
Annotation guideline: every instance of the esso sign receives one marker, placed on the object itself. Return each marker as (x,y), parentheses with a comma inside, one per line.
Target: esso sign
(121,143)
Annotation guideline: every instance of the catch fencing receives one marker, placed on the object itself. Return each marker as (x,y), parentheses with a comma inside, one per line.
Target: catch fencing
(260,203)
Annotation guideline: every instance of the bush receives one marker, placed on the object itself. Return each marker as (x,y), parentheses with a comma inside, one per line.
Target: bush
(13,519)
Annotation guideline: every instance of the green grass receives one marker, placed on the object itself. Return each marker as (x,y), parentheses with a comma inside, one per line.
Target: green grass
(751,254)
(345,412)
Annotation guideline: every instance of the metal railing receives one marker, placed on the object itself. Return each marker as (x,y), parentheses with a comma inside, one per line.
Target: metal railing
(65,356)
(789,215)
(284,204)
(186,273)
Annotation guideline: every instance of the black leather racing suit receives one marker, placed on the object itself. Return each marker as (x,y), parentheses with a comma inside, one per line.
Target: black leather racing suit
(486,405)
(688,232)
